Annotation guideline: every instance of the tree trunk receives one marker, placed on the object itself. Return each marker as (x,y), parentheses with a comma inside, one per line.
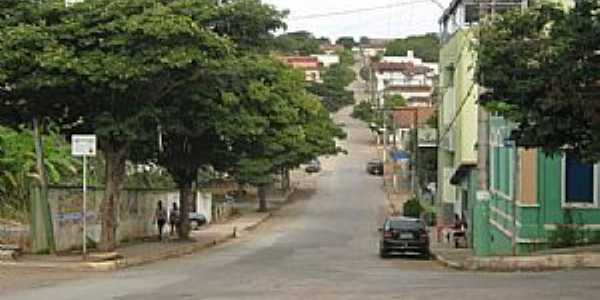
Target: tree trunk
(115,178)
(262,197)
(42,226)
(286,176)
(186,196)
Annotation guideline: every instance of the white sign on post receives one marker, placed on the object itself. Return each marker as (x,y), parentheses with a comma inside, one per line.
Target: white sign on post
(84,145)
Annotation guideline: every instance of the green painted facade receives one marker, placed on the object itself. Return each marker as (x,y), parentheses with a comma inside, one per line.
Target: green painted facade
(499,223)
(525,228)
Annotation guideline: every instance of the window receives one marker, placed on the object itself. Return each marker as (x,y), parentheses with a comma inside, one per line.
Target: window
(501,165)
(471,14)
(580,186)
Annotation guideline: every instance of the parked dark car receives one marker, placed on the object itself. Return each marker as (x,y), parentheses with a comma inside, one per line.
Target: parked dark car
(196,220)
(313,166)
(403,235)
(375,167)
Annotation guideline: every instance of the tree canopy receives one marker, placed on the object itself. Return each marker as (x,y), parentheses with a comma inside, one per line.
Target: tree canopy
(297,43)
(425,46)
(541,68)
(347,41)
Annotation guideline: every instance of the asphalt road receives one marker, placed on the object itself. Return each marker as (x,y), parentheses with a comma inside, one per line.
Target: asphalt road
(322,246)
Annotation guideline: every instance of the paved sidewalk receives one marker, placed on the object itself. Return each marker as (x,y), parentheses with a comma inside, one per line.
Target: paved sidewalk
(142,252)
(462,259)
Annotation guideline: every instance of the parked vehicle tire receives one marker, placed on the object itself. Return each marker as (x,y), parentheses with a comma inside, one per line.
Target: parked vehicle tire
(194,225)
(383,253)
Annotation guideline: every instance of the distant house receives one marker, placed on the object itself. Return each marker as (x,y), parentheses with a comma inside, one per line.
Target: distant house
(405,120)
(330,48)
(326,60)
(309,65)
(407,76)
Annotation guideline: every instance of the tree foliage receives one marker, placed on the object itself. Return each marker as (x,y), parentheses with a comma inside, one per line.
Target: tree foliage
(347,41)
(271,122)
(332,90)
(542,70)
(297,43)
(100,66)
(425,46)
(17,166)
(394,101)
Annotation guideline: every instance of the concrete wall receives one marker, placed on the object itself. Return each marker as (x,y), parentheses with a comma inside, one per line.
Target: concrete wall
(135,216)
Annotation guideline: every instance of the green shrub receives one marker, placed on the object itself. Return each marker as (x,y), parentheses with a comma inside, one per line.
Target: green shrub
(412,208)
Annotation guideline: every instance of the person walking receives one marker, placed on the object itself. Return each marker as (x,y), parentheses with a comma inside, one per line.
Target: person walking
(174,216)
(160,218)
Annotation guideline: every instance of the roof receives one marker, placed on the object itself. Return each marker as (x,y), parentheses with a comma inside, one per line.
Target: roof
(410,88)
(419,99)
(405,118)
(301,59)
(302,62)
(377,42)
(407,68)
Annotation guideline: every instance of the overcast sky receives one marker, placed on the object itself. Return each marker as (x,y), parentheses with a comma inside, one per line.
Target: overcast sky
(397,18)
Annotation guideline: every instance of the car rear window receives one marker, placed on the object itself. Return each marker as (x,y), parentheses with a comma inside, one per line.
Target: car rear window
(404,224)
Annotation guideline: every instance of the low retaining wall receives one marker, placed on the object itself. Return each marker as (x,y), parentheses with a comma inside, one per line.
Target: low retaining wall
(135,216)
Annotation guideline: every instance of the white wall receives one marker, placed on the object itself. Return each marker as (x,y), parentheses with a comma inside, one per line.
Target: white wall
(327,59)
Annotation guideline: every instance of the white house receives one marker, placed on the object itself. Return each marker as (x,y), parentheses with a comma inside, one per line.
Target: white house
(408,76)
(326,60)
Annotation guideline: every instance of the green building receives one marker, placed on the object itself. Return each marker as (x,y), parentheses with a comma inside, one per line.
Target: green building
(535,201)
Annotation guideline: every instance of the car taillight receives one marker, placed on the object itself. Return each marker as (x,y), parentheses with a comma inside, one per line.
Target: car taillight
(387,234)
(424,236)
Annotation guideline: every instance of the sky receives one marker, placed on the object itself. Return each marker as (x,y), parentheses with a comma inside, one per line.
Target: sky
(379,19)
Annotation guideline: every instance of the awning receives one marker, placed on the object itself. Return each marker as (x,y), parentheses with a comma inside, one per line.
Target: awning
(460,174)
(399,155)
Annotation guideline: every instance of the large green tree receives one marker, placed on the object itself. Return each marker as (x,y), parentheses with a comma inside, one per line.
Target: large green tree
(192,116)
(272,122)
(100,66)
(541,68)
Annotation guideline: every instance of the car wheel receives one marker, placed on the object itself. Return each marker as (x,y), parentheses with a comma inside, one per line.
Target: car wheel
(194,225)
(426,255)
(383,253)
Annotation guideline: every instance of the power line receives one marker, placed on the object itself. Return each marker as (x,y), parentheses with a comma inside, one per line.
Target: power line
(361,10)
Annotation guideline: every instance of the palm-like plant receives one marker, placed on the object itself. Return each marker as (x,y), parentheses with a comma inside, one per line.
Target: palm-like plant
(17,167)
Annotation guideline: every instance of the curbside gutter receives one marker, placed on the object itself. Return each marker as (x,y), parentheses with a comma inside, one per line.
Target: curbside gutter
(523,263)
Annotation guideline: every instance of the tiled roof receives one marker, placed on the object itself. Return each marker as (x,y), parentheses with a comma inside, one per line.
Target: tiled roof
(410,88)
(407,68)
(405,118)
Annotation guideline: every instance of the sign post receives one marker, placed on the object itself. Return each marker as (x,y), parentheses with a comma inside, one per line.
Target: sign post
(84,145)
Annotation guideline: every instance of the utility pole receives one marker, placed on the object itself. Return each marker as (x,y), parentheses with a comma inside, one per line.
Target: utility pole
(415,150)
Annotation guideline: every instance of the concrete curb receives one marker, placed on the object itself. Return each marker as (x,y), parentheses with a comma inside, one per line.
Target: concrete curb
(523,263)
(121,263)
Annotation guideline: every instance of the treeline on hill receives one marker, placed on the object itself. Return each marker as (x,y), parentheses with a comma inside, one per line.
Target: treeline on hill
(198,74)
(332,90)
(425,46)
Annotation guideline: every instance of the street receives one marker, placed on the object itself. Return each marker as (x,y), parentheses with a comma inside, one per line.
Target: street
(322,246)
